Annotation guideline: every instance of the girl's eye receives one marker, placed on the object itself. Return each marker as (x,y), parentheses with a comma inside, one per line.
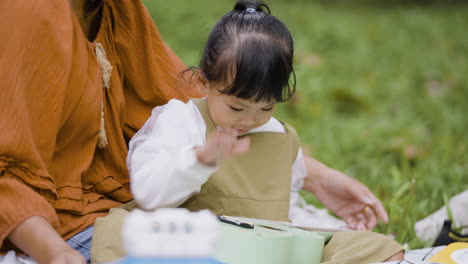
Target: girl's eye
(236,109)
(267,109)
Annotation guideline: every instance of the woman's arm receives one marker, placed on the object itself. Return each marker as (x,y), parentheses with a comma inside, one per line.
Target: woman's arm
(345,196)
(34,72)
(37,238)
(26,220)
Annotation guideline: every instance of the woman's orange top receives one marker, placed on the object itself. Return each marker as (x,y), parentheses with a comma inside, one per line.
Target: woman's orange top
(51,93)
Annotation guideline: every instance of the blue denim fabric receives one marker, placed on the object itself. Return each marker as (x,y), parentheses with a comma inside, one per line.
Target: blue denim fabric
(82,242)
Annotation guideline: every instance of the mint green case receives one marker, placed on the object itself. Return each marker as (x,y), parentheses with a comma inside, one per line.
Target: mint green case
(269,243)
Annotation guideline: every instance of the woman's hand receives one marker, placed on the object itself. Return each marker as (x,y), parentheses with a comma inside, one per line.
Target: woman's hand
(222,144)
(346,197)
(36,237)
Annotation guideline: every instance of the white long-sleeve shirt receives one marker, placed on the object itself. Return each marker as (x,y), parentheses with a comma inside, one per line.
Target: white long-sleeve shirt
(164,169)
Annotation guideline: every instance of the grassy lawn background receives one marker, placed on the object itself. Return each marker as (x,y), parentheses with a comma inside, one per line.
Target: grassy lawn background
(382,93)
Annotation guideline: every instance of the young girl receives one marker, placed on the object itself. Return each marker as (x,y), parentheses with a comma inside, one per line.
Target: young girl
(226,152)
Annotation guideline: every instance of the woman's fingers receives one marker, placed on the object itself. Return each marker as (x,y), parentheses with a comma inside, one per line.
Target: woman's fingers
(364,220)
(361,221)
(351,222)
(375,205)
(371,219)
(379,210)
(363,194)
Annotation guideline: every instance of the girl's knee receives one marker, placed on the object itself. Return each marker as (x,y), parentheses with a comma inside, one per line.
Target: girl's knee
(398,256)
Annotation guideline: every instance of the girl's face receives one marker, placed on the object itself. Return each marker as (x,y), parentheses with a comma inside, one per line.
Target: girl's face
(228,111)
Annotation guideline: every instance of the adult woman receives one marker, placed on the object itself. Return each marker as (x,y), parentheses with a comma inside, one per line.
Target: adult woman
(79,78)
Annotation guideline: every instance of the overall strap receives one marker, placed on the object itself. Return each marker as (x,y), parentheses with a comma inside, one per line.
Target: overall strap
(202,105)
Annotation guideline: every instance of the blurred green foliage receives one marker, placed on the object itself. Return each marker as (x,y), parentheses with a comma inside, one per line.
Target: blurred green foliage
(382,92)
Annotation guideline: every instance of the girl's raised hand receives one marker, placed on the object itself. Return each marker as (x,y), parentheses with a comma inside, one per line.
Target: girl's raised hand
(222,144)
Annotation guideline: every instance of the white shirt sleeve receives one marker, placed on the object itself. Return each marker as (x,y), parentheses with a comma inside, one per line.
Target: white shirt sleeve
(303,214)
(299,172)
(162,163)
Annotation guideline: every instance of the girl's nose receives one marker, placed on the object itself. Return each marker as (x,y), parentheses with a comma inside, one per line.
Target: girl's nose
(249,120)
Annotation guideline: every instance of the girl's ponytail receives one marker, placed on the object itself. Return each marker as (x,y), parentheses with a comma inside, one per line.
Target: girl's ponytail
(251,6)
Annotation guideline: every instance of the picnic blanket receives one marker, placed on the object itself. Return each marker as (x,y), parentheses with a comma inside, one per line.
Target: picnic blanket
(418,256)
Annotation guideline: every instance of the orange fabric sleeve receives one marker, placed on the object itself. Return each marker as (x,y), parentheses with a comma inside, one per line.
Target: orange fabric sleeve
(31,105)
(20,202)
(151,69)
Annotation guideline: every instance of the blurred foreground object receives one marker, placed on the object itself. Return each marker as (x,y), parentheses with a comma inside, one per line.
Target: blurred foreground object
(175,235)
(170,235)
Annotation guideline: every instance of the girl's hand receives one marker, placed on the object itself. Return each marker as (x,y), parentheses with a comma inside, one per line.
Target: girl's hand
(222,144)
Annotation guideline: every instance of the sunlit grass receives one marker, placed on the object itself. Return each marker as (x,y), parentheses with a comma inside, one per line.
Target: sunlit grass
(382,93)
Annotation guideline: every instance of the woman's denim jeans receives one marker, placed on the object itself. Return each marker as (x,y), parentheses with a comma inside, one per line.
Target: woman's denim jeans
(82,242)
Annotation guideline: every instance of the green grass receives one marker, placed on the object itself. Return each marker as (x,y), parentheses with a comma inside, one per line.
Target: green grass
(382,93)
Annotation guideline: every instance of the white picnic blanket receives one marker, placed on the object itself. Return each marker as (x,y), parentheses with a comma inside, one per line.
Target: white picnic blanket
(11,258)
(428,228)
(418,256)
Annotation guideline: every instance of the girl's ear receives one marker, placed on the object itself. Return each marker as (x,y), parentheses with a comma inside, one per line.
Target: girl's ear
(204,84)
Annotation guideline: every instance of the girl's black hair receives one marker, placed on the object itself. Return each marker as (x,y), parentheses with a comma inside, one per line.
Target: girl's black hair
(252,50)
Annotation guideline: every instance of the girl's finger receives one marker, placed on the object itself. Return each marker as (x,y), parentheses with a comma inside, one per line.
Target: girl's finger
(227,142)
(242,145)
(232,132)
